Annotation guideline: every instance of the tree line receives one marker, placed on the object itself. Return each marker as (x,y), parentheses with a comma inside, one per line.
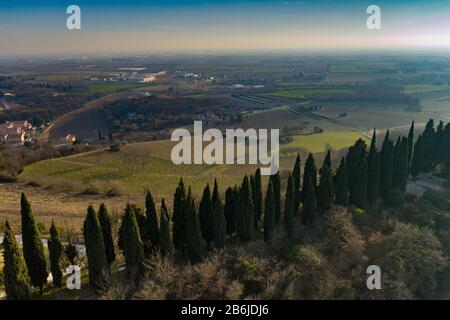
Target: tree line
(364,176)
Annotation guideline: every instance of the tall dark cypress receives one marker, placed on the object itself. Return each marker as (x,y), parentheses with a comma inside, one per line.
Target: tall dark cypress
(33,249)
(15,272)
(207,216)
(309,205)
(296,176)
(358,186)
(231,210)
(373,148)
(133,247)
(325,190)
(269,214)
(179,229)
(95,250)
(354,153)
(401,165)
(439,144)
(246,212)
(151,241)
(386,166)
(165,244)
(219,219)
(373,175)
(417,159)
(309,176)
(289,207)
(373,179)
(410,145)
(194,243)
(55,250)
(429,147)
(276,184)
(342,184)
(105,224)
(257,197)
(327,159)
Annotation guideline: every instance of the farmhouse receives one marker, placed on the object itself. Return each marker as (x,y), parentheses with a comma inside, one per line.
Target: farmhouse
(14,132)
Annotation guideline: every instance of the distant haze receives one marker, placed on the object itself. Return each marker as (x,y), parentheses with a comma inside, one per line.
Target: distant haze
(113,26)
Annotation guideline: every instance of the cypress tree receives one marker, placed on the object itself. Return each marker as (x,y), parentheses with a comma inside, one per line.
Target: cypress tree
(194,244)
(439,143)
(179,229)
(429,147)
(15,271)
(410,145)
(257,197)
(246,212)
(401,165)
(386,166)
(310,176)
(327,159)
(416,163)
(219,218)
(105,224)
(207,216)
(342,184)
(325,191)
(373,179)
(152,235)
(289,207)
(353,155)
(373,149)
(55,250)
(95,250)
(141,220)
(33,249)
(165,244)
(309,205)
(231,210)
(358,186)
(296,176)
(133,248)
(276,185)
(269,214)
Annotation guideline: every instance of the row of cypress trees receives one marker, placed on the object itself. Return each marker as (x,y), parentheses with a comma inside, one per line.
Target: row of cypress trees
(363,176)
(26,268)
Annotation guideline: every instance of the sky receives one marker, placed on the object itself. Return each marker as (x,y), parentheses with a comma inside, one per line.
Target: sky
(38,27)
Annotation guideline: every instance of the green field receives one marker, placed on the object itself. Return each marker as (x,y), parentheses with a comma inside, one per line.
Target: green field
(322,141)
(113,87)
(304,93)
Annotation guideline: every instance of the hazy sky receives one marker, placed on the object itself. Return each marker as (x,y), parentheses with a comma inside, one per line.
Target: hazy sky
(30,27)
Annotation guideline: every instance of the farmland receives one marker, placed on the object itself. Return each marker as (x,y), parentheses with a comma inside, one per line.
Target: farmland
(304,93)
(113,87)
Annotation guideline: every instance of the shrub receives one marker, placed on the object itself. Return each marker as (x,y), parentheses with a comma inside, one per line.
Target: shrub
(92,190)
(114,147)
(113,192)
